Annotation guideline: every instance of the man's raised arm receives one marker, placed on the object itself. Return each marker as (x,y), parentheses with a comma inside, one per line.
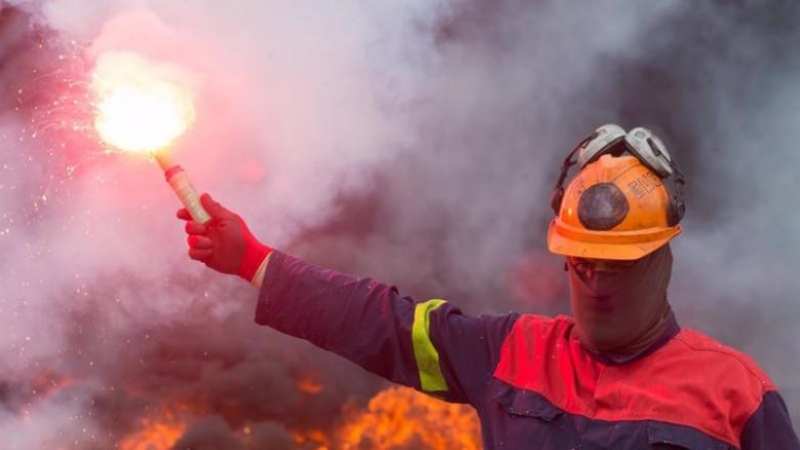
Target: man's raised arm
(428,345)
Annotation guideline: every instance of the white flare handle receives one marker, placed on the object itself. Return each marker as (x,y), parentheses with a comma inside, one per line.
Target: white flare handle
(179,181)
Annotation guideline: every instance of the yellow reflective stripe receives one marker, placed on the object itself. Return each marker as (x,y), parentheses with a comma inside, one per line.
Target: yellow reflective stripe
(430,375)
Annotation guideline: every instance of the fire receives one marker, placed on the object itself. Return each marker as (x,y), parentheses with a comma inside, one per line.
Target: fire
(396,418)
(403,418)
(140,106)
(155,433)
(309,385)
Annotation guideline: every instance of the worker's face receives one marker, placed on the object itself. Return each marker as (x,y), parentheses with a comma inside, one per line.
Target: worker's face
(615,302)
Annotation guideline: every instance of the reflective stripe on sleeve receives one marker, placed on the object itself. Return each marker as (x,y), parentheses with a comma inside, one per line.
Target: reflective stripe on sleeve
(430,375)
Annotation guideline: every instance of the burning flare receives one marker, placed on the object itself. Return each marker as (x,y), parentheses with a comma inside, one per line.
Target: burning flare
(143,107)
(140,105)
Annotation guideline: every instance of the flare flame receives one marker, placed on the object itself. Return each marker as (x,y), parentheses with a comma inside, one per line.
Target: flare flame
(141,106)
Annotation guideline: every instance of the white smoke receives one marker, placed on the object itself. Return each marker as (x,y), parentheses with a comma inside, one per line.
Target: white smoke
(291,115)
(413,141)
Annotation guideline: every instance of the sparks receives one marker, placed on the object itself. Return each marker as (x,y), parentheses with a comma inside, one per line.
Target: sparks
(140,106)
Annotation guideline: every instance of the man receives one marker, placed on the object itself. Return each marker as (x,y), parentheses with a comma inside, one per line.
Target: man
(621,374)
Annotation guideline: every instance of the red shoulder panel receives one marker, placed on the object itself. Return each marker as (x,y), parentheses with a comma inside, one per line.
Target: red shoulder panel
(692,380)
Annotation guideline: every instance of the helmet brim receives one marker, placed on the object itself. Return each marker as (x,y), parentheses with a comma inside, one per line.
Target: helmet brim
(566,240)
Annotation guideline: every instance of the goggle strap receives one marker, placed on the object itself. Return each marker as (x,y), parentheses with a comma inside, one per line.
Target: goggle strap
(569,161)
(680,182)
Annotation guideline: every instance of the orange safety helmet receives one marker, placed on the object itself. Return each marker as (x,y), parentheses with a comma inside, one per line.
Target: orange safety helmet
(617,206)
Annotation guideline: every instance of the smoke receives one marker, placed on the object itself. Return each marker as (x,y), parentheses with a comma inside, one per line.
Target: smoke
(416,142)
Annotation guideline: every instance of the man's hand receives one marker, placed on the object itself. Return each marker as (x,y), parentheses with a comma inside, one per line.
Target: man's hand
(224,243)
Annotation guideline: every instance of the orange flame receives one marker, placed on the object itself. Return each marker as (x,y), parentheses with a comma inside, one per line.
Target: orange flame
(156,433)
(141,106)
(403,418)
(396,418)
(309,385)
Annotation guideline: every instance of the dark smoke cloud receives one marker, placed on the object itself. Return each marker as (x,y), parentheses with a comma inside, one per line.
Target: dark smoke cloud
(416,142)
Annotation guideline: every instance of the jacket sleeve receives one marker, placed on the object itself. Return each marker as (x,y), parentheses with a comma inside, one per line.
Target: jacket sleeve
(430,346)
(770,426)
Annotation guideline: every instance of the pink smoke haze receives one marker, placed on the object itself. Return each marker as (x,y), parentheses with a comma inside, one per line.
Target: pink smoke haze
(413,141)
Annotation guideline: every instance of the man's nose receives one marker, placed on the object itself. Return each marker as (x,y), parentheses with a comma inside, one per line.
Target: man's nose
(601,281)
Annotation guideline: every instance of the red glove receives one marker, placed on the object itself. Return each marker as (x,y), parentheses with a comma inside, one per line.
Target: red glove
(224,243)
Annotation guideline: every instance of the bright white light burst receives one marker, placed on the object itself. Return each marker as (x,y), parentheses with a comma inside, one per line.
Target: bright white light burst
(140,105)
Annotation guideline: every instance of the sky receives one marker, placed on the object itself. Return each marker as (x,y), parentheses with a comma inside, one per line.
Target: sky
(415,142)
